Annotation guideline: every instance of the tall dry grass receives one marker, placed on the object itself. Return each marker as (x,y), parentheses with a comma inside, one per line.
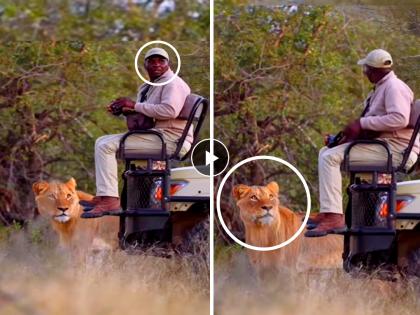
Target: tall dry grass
(239,291)
(37,278)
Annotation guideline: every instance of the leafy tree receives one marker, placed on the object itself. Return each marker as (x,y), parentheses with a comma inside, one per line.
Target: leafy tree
(286,75)
(60,68)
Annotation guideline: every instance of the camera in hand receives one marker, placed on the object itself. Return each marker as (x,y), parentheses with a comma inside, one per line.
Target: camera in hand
(116,108)
(334,140)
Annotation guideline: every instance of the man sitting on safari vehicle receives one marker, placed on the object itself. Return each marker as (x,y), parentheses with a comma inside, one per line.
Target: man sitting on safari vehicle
(163,103)
(386,117)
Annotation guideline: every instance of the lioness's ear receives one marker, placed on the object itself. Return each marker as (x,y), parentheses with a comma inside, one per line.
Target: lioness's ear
(71,183)
(239,191)
(273,187)
(39,187)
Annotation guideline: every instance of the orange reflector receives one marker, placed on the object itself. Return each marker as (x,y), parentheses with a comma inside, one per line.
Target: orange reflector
(384,209)
(172,190)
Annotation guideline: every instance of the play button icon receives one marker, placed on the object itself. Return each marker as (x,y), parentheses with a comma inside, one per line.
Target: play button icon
(201,157)
(210,158)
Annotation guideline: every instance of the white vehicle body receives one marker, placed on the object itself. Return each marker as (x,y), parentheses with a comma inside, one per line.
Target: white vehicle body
(409,191)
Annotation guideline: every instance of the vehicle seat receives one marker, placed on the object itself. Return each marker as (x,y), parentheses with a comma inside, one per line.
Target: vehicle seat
(193,112)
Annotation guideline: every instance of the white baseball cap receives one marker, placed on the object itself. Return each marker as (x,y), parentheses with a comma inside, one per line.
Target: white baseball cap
(377,58)
(157,51)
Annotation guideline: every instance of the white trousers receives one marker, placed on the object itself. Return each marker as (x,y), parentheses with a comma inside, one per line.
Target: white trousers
(106,147)
(329,161)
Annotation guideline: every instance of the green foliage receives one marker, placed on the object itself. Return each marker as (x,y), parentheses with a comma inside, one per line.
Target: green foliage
(36,236)
(58,71)
(285,77)
(102,19)
(7,231)
(223,254)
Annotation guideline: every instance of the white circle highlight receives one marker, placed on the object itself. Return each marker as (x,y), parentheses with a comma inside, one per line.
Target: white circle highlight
(227,162)
(151,43)
(308,202)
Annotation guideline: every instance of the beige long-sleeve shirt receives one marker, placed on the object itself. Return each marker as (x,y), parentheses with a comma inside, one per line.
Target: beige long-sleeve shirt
(389,110)
(164,103)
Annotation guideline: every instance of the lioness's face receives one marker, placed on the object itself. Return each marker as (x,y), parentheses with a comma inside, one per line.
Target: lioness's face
(56,200)
(258,204)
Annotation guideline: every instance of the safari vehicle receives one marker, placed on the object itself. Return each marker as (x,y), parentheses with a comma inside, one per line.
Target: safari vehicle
(383,215)
(158,203)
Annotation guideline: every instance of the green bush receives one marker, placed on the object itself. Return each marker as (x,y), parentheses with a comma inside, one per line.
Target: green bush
(60,65)
(284,78)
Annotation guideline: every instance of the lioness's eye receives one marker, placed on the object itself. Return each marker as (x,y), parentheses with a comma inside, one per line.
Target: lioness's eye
(52,197)
(253,198)
(68,196)
(271,196)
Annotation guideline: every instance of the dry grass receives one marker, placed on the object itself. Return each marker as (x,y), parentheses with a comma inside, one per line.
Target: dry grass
(36,278)
(238,291)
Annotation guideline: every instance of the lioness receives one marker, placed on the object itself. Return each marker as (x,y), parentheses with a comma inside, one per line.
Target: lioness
(267,223)
(60,202)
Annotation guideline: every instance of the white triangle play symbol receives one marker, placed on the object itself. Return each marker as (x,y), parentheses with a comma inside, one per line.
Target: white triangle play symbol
(210,158)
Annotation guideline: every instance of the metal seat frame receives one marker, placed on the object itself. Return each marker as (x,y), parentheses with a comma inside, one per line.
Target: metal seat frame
(194,116)
(366,239)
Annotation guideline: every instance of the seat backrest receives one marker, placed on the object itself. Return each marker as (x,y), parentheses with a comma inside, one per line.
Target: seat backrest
(414,114)
(188,107)
(194,110)
(415,124)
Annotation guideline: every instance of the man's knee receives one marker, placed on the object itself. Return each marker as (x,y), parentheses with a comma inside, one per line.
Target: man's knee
(105,144)
(100,139)
(322,151)
(330,156)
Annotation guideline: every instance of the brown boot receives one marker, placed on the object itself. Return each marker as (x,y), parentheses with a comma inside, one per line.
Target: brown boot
(331,223)
(315,220)
(102,207)
(91,203)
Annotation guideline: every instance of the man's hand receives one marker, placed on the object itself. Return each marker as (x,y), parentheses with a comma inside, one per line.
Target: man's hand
(353,130)
(116,106)
(128,111)
(126,102)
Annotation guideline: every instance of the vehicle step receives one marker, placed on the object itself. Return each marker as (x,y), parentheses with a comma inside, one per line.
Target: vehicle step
(408,216)
(140,213)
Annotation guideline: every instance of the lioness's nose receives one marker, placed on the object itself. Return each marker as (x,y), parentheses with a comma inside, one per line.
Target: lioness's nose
(267,207)
(62,209)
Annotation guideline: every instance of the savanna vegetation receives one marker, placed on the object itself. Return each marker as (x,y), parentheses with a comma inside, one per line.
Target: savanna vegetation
(61,63)
(38,279)
(286,75)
